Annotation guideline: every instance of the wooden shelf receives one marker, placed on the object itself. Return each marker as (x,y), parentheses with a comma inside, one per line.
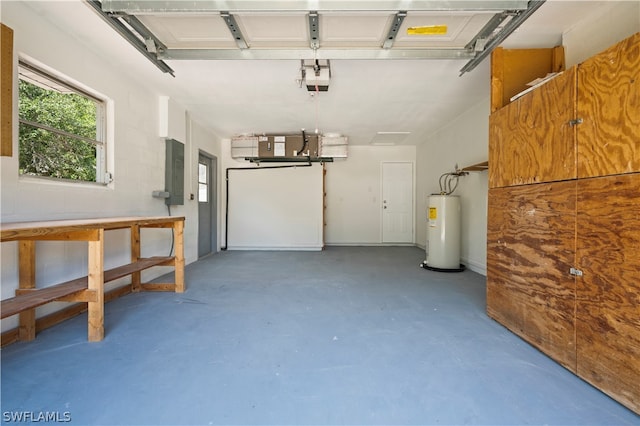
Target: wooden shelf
(480,167)
(512,69)
(32,298)
(38,297)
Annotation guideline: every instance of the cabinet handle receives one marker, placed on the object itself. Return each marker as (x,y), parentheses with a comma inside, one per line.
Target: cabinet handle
(576,272)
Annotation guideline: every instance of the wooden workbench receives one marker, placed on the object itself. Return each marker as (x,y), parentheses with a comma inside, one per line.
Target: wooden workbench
(89,289)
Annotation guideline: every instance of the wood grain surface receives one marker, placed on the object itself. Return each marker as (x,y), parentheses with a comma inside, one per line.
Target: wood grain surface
(6,91)
(66,229)
(531,139)
(609,104)
(530,249)
(608,294)
(512,69)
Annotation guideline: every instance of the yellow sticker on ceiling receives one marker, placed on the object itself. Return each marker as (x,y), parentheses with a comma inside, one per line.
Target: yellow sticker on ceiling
(427,30)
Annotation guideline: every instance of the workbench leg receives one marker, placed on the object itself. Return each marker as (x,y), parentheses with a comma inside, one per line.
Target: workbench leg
(135,256)
(27,280)
(96,283)
(178,235)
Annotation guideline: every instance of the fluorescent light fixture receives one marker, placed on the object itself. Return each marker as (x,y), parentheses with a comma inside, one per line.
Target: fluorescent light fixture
(389,138)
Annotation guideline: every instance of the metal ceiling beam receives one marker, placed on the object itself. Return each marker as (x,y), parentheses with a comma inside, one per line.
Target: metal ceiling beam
(509,27)
(234,29)
(489,37)
(393,30)
(130,36)
(134,7)
(314,30)
(152,43)
(233,54)
(486,31)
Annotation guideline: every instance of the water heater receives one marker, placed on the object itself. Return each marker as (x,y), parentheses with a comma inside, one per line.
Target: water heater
(443,234)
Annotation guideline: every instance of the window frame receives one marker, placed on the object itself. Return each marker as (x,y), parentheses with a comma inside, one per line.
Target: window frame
(103,176)
(204,182)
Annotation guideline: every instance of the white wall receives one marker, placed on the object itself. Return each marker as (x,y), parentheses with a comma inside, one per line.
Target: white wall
(464,142)
(353,187)
(136,159)
(277,209)
(609,24)
(353,201)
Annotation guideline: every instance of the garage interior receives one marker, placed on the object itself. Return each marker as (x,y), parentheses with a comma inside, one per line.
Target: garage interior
(304,144)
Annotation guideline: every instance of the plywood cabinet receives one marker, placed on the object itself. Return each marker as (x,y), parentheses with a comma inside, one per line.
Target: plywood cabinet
(608,292)
(583,123)
(512,69)
(533,138)
(530,251)
(609,107)
(563,243)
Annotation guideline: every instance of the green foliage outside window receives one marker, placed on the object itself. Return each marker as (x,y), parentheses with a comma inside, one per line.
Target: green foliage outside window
(54,154)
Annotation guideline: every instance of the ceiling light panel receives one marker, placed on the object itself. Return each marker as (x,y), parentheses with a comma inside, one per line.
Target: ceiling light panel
(270,30)
(366,30)
(190,32)
(389,138)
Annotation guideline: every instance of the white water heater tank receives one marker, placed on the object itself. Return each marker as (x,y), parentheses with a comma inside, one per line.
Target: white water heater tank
(443,232)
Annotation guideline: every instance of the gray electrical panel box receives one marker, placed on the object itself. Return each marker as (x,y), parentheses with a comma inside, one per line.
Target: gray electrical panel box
(174,172)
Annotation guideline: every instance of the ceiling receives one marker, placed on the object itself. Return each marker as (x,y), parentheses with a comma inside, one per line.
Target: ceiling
(399,93)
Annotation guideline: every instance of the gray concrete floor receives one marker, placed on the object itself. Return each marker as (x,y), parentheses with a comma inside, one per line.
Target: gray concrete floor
(350,335)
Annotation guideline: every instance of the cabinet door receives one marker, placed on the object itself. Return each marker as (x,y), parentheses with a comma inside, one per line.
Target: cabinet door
(530,250)
(609,104)
(531,139)
(608,293)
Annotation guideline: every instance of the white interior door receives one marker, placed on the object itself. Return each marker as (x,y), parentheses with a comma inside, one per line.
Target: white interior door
(397,202)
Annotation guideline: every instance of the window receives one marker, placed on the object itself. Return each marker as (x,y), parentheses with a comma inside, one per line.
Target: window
(61,130)
(203,183)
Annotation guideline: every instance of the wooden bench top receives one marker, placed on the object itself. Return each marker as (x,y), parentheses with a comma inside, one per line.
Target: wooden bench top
(14,231)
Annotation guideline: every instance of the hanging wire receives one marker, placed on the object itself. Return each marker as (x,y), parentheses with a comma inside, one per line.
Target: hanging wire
(449,181)
(172,236)
(316,69)
(317,100)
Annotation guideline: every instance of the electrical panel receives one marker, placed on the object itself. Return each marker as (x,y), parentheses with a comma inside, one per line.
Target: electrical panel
(174,172)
